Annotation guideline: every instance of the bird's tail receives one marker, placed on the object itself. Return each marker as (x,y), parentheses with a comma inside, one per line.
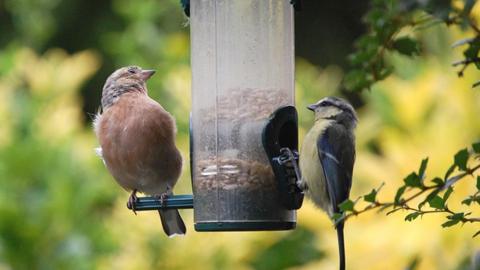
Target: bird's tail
(341,244)
(172,222)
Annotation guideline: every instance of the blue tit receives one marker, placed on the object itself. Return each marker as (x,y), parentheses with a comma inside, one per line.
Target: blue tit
(327,157)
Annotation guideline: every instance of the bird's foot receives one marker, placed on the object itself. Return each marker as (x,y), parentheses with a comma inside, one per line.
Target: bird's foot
(162,198)
(302,185)
(132,201)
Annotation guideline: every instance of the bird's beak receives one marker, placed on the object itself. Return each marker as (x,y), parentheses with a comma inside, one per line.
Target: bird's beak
(146,74)
(312,107)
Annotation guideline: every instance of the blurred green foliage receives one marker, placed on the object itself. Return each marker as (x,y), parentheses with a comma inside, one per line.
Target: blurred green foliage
(53,199)
(295,249)
(393,27)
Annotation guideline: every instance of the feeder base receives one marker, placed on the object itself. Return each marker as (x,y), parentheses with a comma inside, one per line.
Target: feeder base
(244,226)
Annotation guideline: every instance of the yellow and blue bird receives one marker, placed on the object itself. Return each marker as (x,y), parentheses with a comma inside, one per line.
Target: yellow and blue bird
(327,157)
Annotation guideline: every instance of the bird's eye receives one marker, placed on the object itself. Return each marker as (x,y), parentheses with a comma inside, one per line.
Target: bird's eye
(325,103)
(132,70)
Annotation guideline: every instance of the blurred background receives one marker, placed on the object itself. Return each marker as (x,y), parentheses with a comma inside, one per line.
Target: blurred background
(60,209)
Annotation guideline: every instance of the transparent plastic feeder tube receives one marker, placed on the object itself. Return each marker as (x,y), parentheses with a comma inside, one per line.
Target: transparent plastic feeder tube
(242,55)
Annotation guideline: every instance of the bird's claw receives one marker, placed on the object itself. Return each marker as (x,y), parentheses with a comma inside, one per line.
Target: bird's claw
(162,198)
(132,201)
(302,185)
(292,157)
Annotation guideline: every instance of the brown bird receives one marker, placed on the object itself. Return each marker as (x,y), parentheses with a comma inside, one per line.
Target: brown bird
(137,141)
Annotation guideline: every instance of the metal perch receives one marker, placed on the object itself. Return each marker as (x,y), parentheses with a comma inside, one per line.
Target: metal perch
(172,202)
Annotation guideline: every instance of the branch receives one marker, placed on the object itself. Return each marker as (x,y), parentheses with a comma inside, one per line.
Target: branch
(467,61)
(430,194)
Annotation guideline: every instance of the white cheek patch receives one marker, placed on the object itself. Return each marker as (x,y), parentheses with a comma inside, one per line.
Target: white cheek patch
(326,112)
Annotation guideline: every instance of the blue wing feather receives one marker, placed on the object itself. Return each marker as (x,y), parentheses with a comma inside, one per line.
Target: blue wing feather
(330,168)
(336,152)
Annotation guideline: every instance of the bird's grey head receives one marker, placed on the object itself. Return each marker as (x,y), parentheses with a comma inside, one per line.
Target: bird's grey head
(336,109)
(123,80)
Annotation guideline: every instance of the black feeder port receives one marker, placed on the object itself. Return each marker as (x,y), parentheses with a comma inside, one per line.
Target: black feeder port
(280,140)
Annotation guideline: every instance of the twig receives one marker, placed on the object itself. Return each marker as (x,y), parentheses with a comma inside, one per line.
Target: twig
(403,204)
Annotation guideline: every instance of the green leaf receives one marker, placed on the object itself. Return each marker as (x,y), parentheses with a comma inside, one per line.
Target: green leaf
(398,196)
(447,193)
(384,73)
(347,206)
(476,199)
(472,51)
(450,223)
(370,197)
(438,181)
(429,198)
(412,216)
(461,159)
(478,183)
(450,171)
(413,264)
(336,216)
(437,202)
(476,147)
(357,80)
(423,167)
(439,8)
(406,46)
(476,234)
(279,255)
(362,57)
(457,216)
(412,180)
(467,201)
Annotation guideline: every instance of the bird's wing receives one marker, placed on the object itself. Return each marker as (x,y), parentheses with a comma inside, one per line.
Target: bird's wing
(336,152)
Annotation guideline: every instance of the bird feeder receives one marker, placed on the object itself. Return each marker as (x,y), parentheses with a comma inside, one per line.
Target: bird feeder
(242,55)
(243,126)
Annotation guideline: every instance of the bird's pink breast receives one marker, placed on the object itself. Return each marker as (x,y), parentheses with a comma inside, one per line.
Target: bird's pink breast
(137,139)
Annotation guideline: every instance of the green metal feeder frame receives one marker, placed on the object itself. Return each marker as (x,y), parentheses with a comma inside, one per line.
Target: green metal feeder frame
(243,126)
